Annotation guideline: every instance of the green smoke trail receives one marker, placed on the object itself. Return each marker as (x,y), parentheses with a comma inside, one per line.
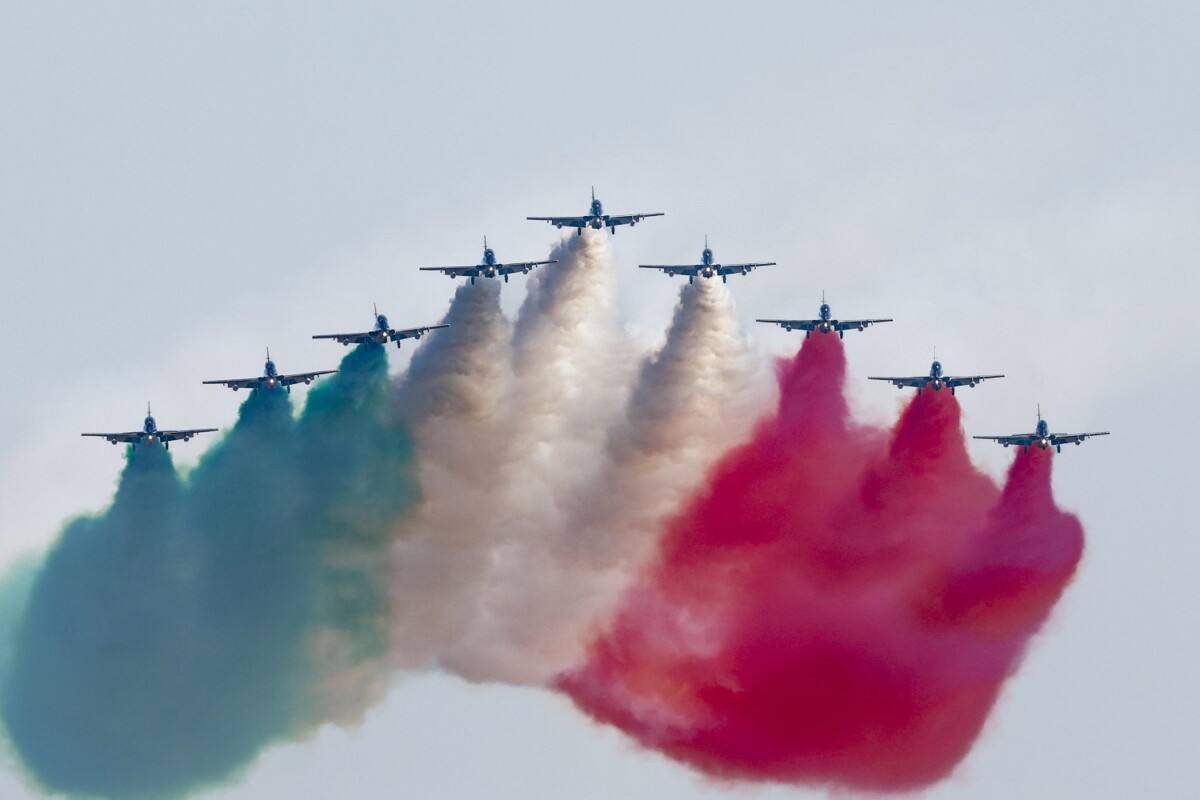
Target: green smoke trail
(360,464)
(170,639)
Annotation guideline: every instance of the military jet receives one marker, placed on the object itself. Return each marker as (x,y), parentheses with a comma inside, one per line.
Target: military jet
(936,380)
(596,218)
(382,334)
(149,434)
(271,378)
(489,268)
(706,268)
(1042,437)
(825,323)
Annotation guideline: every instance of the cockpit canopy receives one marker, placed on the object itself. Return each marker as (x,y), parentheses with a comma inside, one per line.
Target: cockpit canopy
(707,256)
(1043,428)
(825,311)
(149,426)
(381,322)
(270,369)
(936,369)
(597,208)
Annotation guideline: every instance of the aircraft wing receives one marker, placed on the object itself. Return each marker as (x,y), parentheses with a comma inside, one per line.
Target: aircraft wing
(302,377)
(793,324)
(236,383)
(348,338)
(413,333)
(170,436)
(1073,438)
(521,266)
(629,219)
(734,269)
(126,436)
(916,382)
(967,380)
(455,272)
(1018,439)
(849,324)
(675,269)
(570,222)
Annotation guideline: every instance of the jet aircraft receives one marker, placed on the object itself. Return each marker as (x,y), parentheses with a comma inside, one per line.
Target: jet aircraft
(1042,437)
(489,267)
(825,323)
(271,378)
(596,218)
(149,434)
(936,380)
(706,268)
(382,334)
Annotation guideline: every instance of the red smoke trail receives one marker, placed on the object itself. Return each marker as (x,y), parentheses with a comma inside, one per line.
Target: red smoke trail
(841,604)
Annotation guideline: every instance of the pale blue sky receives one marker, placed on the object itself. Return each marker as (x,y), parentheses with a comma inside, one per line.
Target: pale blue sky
(1016,184)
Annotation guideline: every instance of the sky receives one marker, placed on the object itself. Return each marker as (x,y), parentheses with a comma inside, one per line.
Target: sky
(1016,184)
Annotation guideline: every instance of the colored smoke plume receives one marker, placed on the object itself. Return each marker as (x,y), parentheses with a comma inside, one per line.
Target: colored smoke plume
(547,459)
(839,605)
(169,639)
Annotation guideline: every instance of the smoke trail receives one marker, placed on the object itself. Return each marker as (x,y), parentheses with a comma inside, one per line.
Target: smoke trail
(540,503)
(494,409)
(81,674)
(360,473)
(838,605)
(692,400)
(16,584)
(172,637)
(453,398)
(570,379)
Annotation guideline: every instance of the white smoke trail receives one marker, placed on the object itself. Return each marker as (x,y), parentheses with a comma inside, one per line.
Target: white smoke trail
(571,375)
(453,399)
(694,398)
(570,486)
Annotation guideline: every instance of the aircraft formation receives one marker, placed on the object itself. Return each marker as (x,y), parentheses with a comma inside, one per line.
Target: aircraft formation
(382,333)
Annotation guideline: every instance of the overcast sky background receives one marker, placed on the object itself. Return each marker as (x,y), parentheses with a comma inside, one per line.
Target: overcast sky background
(1018,184)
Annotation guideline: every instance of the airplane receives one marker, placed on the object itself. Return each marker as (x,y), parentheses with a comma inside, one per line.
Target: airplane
(489,268)
(1042,437)
(149,434)
(382,334)
(707,269)
(271,379)
(936,380)
(825,324)
(596,218)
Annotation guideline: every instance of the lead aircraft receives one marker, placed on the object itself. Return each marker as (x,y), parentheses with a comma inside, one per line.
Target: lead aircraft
(381,334)
(150,434)
(824,323)
(1042,437)
(706,268)
(271,378)
(596,218)
(489,267)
